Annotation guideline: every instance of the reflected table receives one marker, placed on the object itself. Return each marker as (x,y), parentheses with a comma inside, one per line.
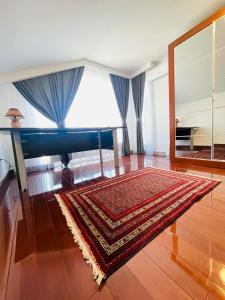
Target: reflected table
(186,134)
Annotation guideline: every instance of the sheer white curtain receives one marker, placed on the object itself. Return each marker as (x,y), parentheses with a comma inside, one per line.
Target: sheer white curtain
(148,118)
(95,104)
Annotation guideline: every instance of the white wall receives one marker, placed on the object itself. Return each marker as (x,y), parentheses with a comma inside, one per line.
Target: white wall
(157,129)
(198,113)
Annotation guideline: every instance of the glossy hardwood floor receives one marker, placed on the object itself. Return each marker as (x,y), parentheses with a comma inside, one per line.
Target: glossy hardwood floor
(186,261)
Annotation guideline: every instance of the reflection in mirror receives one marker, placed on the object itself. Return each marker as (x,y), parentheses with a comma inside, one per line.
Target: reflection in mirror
(219,96)
(193,96)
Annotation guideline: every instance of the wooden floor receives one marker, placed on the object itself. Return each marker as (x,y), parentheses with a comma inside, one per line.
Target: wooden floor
(186,261)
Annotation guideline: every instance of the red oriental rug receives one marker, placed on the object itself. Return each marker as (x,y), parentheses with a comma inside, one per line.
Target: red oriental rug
(113,219)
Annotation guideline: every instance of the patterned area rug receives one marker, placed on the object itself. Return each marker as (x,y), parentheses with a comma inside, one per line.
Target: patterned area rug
(113,219)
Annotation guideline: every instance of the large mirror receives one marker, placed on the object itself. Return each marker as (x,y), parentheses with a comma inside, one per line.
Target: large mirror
(197,94)
(193,96)
(219,94)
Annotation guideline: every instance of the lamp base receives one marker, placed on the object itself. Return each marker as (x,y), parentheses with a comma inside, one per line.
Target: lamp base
(15,123)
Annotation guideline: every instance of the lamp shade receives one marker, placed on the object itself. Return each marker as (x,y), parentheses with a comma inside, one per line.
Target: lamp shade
(14,113)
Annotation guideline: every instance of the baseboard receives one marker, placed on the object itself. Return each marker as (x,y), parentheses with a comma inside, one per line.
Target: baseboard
(161,154)
(4,184)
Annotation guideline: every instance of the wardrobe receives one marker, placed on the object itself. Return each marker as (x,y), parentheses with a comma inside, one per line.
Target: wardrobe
(197,94)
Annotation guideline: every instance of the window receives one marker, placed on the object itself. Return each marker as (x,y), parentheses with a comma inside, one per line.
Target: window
(95,104)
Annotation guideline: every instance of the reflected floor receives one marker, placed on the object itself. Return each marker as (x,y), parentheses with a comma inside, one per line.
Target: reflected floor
(219,154)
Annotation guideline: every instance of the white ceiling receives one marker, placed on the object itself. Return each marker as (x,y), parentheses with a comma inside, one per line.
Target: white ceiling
(121,34)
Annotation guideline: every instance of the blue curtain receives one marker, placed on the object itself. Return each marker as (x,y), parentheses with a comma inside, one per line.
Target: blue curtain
(138,84)
(121,91)
(52,95)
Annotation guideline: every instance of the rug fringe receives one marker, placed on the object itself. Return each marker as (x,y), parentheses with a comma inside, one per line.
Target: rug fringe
(83,246)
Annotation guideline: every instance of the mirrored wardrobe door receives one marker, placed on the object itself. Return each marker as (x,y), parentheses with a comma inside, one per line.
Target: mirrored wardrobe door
(193,96)
(219,90)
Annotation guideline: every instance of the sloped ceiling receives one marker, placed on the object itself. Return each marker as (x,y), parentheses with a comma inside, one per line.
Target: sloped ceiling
(121,34)
(200,64)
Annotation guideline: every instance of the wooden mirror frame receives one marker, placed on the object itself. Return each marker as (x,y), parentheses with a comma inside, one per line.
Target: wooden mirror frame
(171,47)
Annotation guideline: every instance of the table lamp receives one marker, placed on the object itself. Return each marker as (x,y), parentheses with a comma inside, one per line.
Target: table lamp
(177,122)
(15,115)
